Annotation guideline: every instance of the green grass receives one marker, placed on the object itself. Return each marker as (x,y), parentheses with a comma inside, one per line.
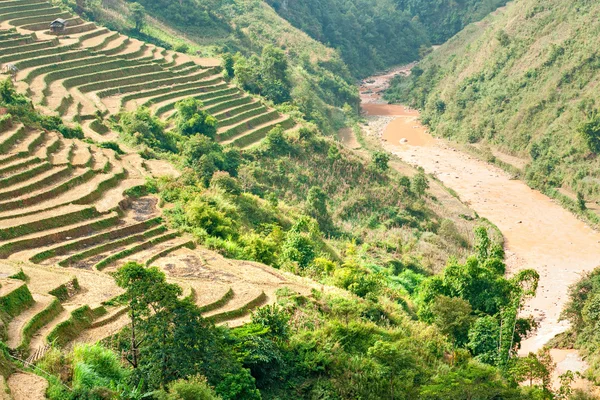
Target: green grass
(239,312)
(16,301)
(81,319)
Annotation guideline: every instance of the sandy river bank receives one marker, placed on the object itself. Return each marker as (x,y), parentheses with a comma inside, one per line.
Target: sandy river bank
(539,233)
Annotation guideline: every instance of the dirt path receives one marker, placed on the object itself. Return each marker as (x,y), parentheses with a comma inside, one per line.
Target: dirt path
(539,233)
(24,386)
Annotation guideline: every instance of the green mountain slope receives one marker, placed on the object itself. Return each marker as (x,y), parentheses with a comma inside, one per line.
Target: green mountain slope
(373,35)
(523,80)
(321,82)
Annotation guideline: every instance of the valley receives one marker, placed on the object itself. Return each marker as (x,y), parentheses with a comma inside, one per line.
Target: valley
(213,200)
(538,232)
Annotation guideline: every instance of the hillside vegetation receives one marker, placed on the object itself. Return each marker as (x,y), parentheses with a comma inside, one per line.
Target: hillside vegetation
(523,80)
(320,84)
(167,233)
(374,35)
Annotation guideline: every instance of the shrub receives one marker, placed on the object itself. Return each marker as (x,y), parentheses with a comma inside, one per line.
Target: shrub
(192,119)
(194,388)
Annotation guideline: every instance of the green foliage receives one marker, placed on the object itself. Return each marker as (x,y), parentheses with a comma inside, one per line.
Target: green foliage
(379,161)
(192,388)
(114,146)
(138,15)
(206,157)
(15,302)
(192,119)
(371,36)
(273,318)
(140,127)
(534,368)
(453,316)
(590,131)
(316,207)
(477,88)
(168,340)
(582,311)
(267,75)
(228,65)
(419,184)
(222,180)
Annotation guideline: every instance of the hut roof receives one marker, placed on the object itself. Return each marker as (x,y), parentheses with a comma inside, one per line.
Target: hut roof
(58,21)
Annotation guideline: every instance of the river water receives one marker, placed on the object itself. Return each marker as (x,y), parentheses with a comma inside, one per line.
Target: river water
(539,233)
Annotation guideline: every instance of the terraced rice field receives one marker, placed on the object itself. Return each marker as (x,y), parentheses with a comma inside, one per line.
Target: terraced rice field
(87,69)
(66,221)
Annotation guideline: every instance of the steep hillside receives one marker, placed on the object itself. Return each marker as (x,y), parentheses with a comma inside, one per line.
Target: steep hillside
(321,82)
(373,35)
(523,80)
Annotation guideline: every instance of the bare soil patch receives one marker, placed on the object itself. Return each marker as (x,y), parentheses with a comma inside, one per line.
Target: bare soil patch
(25,386)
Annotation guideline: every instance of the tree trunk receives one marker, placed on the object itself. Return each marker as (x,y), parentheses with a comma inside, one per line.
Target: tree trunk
(134,344)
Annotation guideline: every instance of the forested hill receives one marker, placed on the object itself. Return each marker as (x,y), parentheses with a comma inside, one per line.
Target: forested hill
(524,80)
(372,35)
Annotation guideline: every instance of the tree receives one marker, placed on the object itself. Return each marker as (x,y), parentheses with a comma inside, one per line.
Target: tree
(141,127)
(192,119)
(379,161)
(274,318)
(483,339)
(138,16)
(534,368)
(453,316)
(298,248)
(419,184)
(316,207)
(146,293)
(590,131)
(228,66)
(393,357)
(226,183)
(273,71)
(276,142)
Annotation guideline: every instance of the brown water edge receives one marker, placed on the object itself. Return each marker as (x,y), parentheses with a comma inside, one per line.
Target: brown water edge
(539,233)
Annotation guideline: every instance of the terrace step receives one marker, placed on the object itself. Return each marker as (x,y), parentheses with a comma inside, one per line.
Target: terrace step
(21,223)
(83,244)
(79,177)
(49,146)
(91,255)
(82,155)
(254,135)
(80,193)
(208,98)
(39,338)
(139,87)
(114,196)
(28,143)
(10,136)
(41,180)
(26,246)
(236,109)
(243,116)
(124,254)
(15,327)
(16,166)
(160,250)
(64,153)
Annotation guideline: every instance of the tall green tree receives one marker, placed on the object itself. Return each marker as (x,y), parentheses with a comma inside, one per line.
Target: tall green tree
(192,119)
(138,16)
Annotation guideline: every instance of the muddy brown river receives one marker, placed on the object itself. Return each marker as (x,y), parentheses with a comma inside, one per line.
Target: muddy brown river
(539,233)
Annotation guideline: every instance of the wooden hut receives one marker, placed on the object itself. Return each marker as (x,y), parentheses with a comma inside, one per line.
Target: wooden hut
(58,26)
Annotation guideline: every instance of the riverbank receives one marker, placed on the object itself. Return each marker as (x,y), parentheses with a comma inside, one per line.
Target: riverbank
(539,233)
